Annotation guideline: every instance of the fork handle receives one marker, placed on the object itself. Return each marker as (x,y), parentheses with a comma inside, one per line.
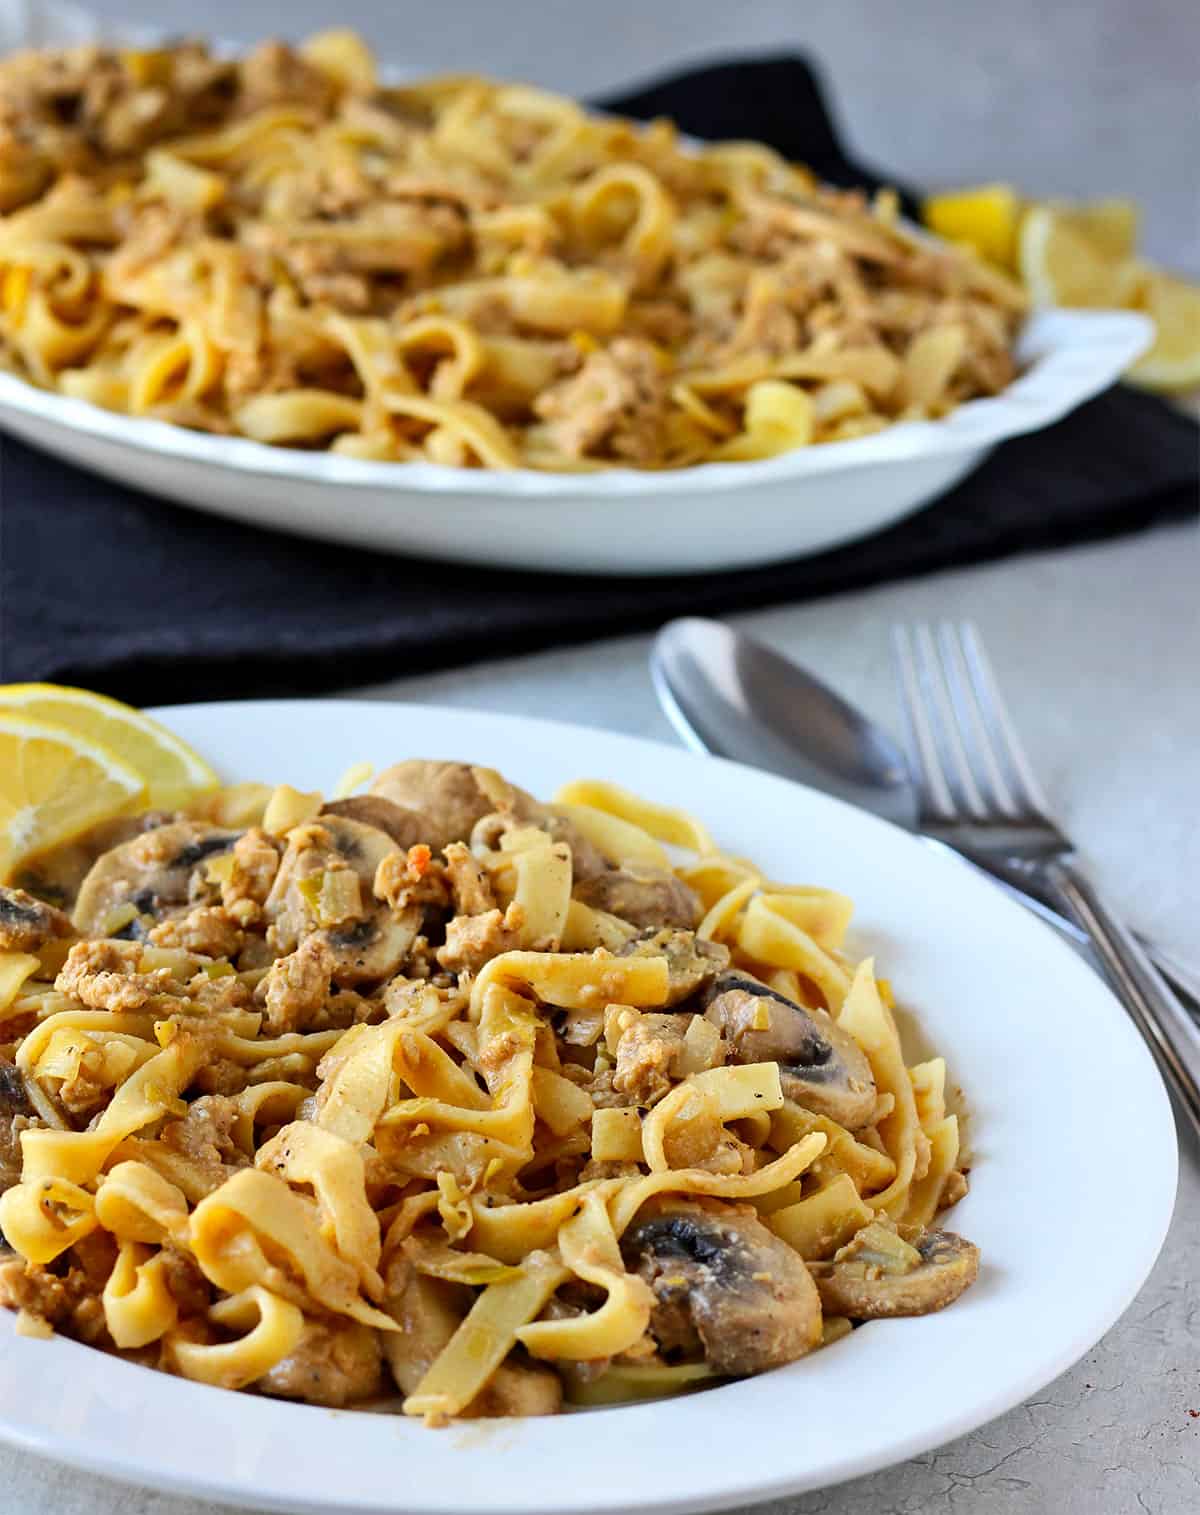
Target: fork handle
(1168,1030)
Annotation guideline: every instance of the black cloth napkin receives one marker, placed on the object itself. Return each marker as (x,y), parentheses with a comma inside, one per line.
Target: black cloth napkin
(103,586)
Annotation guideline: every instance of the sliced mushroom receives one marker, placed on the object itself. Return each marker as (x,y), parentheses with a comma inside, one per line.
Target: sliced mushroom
(153,872)
(724,1286)
(57,875)
(407,828)
(373,951)
(693,964)
(872,1278)
(372,942)
(16,1112)
(329,842)
(821,1066)
(448,795)
(27,923)
(453,798)
(643,896)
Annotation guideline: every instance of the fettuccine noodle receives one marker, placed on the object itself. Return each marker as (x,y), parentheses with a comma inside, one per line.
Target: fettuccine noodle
(442,1088)
(457,271)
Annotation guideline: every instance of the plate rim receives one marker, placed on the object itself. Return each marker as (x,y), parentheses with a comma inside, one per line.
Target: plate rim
(1073,355)
(751,1486)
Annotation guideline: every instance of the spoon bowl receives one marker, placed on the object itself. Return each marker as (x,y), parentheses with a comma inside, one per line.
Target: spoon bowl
(726,693)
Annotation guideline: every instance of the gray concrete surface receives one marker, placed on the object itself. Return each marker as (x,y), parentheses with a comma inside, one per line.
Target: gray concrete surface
(1098,647)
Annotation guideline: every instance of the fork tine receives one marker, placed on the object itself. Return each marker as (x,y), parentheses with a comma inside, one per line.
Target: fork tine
(935,792)
(987,766)
(994,711)
(940,703)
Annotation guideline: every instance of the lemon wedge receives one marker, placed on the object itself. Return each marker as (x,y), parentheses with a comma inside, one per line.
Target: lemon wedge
(984,218)
(1173,363)
(172,773)
(1062,264)
(1108,226)
(55,784)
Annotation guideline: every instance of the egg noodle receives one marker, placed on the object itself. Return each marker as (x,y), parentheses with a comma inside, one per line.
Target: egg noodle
(456,270)
(515,1101)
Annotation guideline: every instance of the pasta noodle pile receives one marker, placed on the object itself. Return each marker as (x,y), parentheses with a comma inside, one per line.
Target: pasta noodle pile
(460,271)
(497,1101)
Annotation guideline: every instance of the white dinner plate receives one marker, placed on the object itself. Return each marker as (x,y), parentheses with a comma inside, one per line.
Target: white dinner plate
(708,518)
(1072,1187)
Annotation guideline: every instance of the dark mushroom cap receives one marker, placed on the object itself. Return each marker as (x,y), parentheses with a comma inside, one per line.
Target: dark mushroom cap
(854,1287)
(152,871)
(821,1066)
(724,1286)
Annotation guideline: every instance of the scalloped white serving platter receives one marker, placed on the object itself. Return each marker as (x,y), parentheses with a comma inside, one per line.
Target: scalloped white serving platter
(624,521)
(708,518)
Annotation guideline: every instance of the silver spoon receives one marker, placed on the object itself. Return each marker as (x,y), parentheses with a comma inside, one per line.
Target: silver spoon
(727,694)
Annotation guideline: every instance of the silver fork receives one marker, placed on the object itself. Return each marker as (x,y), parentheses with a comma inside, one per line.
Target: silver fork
(978,794)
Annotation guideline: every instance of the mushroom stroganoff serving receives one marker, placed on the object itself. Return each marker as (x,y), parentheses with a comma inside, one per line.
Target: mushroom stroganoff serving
(504,1103)
(455,270)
